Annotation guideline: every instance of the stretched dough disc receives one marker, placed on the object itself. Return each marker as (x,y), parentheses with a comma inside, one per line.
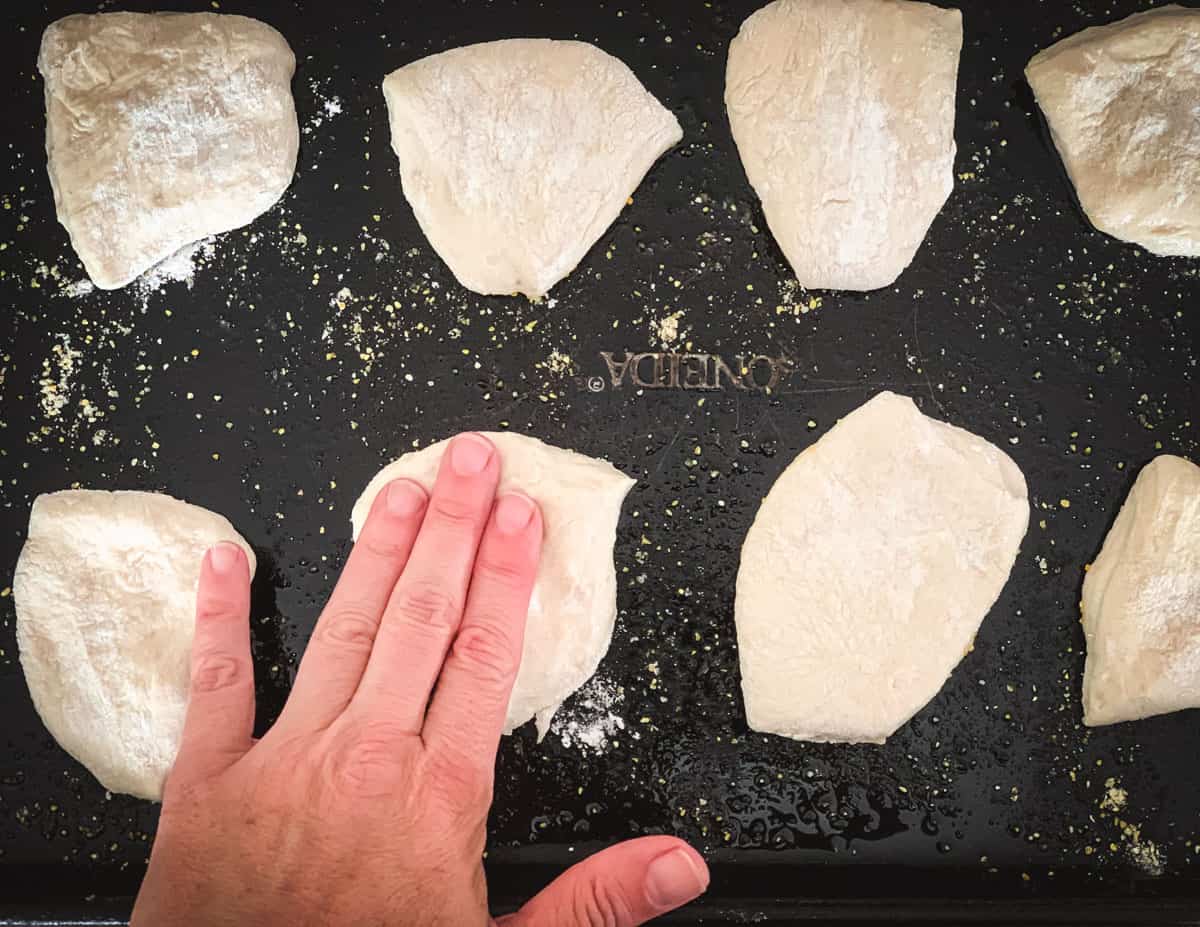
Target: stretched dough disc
(517,155)
(574,603)
(105,592)
(1141,601)
(162,129)
(868,570)
(843,114)
(1121,104)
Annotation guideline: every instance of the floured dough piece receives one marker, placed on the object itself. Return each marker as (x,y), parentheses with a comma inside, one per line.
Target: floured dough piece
(843,114)
(1141,601)
(574,603)
(517,155)
(868,570)
(163,129)
(105,592)
(1121,104)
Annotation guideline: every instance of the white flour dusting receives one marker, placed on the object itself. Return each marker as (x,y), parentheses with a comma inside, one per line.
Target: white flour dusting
(180,267)
(328,106)
(588,720)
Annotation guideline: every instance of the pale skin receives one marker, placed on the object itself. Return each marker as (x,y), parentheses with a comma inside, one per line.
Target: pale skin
(366,803)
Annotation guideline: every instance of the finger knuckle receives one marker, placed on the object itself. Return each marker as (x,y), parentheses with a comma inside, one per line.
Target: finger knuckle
(424,603)
(504,572)
(351,628)
(455,514)
(383,545)
(488,652)
(599,904)
(214,672)
(368,762)
(212,609)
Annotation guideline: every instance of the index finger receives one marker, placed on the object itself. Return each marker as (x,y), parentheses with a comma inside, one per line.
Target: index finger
(337,655)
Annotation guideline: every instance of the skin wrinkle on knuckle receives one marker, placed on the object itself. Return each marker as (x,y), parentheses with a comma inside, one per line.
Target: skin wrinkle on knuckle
(426,604)
(214,609)
(509,570)
(369,761)
(216,671)
(488,652)
(455,515)
(351,627)
(382,545)
(597,904)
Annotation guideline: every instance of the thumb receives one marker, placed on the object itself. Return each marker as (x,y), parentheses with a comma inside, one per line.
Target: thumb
(623,886)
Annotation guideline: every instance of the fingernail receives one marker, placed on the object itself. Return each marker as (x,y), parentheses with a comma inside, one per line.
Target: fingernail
(673,879)
(223,557)
(405,498)
(469,454)
(513,512)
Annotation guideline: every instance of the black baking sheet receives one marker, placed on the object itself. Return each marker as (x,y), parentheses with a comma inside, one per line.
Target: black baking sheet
(335,340)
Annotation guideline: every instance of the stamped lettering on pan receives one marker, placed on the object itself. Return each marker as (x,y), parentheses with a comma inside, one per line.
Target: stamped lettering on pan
(670,370)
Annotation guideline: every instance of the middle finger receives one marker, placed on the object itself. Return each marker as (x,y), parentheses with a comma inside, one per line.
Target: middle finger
(425,608)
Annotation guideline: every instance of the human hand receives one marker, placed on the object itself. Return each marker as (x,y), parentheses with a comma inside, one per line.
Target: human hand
(366,802)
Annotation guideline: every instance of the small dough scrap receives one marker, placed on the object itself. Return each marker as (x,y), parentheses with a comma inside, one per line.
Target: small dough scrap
(1121,103)
(163,129)
(843,114)
(517,155)
(868,571)
(1141,601)
(574,604)
(105,592)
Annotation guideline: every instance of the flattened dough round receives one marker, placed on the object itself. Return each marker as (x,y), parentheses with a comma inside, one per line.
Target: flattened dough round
(517,155)
(868,570)
(105,592)
(163,129)
(1121,102)
(1141,601)
(843,114)
(574,603)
